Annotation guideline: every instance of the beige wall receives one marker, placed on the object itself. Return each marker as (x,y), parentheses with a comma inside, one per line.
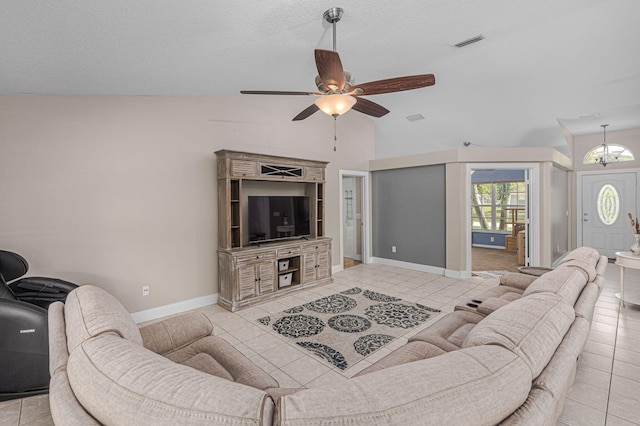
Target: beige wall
(583,144)
(120,191)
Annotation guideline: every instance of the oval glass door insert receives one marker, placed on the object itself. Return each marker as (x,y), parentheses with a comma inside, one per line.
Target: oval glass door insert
(608,204)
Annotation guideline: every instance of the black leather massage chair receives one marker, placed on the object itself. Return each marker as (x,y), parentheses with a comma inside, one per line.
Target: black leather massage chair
(24,335)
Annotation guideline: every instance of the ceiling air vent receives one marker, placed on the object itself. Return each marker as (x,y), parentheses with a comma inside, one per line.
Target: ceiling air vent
(470,41)
(415,117)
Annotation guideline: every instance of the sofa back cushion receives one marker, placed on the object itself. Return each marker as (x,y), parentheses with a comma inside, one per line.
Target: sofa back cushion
(90,311)
(532,327)
(586,254)
(566,282)
(479,386)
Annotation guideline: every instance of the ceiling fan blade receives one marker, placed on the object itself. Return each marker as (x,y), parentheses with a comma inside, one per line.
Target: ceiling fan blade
(397,84)
(275,92)
(365,106)
(306,113)
(330,69)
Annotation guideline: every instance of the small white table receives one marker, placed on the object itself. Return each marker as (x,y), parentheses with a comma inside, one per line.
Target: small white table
(626,259)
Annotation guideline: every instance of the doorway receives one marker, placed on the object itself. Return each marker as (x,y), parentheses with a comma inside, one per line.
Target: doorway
(353,214)
(502,221)
(605,203)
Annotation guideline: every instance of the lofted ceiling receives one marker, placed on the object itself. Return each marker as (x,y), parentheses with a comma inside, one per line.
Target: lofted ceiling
(546,69)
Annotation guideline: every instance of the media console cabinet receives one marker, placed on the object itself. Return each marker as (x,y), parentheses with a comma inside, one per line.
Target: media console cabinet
(251,273)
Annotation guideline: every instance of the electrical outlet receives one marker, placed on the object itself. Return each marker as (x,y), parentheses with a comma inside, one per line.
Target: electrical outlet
(393,249)
(492,239)
(145,290)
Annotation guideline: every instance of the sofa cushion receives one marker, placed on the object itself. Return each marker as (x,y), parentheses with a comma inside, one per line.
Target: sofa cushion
(65,408)
(120,382)
(517,280)
(449,331)
(532,327)
(176,332)
(412,351)
(58,354)
(586,303)
(601,266)
(207,364)
(587,267)
(238,366)
(556,375)
(480,385)
(586,254)
(492,304)
(566,282)
(537,410)
(90,311)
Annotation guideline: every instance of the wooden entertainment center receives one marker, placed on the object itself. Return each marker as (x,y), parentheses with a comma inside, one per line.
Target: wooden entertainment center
(250,273)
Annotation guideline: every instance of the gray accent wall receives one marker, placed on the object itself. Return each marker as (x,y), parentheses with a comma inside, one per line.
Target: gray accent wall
(408,211)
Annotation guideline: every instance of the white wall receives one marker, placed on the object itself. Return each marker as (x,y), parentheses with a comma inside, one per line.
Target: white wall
(120,191)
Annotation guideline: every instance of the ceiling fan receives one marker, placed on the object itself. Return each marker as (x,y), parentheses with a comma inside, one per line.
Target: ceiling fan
(337,92)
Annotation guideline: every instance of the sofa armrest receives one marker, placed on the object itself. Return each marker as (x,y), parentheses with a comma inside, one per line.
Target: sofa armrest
(175,332)
(517,280)
(492,304)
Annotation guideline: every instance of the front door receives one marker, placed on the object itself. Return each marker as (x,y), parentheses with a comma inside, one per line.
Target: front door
(606,202)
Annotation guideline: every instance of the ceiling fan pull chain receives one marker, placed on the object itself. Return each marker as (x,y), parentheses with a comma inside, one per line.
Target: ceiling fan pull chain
(335,137)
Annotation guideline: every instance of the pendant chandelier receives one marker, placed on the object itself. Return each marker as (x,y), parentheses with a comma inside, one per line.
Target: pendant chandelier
(604,156)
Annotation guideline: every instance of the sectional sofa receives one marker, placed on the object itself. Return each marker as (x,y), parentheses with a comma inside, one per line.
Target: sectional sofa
(508,356)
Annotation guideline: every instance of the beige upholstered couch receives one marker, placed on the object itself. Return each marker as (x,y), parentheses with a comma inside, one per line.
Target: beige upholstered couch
(506,357)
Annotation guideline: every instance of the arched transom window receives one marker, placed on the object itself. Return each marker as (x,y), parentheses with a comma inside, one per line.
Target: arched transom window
(612,154)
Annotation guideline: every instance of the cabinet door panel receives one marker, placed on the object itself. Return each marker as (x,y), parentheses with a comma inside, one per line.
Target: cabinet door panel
(324,266)
(247,281)
(309,270)
(267,276)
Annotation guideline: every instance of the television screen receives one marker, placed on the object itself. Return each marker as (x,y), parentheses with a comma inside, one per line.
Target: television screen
(278,217)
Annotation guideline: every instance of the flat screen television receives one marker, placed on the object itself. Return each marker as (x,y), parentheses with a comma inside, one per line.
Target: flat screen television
(278,217)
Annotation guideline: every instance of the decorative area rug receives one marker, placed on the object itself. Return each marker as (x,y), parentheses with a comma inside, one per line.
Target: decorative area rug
(488,274)
(346,327)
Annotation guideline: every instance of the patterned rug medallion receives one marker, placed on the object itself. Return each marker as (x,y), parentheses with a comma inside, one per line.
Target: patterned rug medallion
(346,327)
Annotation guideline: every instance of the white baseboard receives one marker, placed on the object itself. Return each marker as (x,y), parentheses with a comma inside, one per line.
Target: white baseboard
(408,265)
(422,268)
(336,268)
(457,274)
(488,246)
(174,308)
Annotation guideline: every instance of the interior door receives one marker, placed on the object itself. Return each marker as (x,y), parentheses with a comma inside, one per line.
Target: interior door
(349,230)
(606,201)
(352,217)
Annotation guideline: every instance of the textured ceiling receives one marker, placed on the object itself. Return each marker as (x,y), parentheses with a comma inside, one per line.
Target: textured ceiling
(543,65)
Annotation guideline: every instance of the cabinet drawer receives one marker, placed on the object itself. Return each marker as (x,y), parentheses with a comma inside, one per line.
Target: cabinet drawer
(315,248)
(255,257)
(288,252)
(315,173)
(244,168)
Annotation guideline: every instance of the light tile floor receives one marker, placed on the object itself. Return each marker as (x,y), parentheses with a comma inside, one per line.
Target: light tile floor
(606,389)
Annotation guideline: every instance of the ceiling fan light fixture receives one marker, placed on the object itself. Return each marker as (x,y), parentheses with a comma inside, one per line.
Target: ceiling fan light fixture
(335,105)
